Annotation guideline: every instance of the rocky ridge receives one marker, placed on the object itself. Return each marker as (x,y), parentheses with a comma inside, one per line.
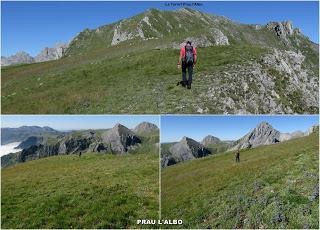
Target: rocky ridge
(263,134)
(47,54)
(118,140)
(186,149)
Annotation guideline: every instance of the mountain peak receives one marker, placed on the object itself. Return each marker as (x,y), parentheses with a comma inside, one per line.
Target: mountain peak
(262,134)
(145,127)
(208,140)
(120,138)
(264,124)
(187,149)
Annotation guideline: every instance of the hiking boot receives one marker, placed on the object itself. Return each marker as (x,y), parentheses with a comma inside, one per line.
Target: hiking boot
(183,83)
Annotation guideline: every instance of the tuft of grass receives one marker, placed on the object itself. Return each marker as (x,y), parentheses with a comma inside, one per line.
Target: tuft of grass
(92,191)
(274,186)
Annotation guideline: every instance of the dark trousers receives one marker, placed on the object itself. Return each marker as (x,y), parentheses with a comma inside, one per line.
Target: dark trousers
(184,67)
(237,158)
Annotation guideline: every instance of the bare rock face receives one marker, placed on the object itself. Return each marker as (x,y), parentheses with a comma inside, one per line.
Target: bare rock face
(188,149)
(312,129)
(71,145)
(54,53)
(29,141)
(208,140)
(47,54)
(263,134)
(219,37)
(120,139)
(289,136)
(282,29)
(145,127)
(120,35)
(18,58)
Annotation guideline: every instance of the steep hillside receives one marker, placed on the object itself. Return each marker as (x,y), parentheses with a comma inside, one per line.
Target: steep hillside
(91,191)
(130,67)
(274,186)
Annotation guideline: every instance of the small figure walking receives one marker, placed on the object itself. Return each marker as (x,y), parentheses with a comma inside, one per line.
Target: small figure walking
(238,156)
(79,154)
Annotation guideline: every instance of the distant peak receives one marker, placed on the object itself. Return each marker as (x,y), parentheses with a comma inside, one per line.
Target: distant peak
(184,138)
(117,125)
(187,139)
(263,123)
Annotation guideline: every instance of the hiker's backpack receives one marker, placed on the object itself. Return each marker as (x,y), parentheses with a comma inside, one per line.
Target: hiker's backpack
(189,55)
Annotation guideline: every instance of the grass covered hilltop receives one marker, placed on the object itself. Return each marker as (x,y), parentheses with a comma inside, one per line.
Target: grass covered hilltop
(274,186)
(130,67)
(104,188)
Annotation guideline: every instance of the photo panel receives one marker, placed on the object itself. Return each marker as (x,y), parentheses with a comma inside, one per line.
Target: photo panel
(158,57)
(79,171)
(247,172)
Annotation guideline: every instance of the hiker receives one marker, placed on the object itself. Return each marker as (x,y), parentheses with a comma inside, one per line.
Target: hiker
(237,156)
(188,59)
(79,154)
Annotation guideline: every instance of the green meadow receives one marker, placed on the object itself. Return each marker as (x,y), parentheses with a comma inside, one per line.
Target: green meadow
(91,191)
(274,186)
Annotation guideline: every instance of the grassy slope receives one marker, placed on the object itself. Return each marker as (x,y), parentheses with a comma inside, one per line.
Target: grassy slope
(214,192)
(94,191)
(97,84)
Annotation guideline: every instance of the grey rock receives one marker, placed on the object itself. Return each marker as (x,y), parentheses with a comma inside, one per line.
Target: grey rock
(19,58)
(48,54)
(315,193)
(279,217)
(120,139)
(263,134)
(145,127)
(289,136)
(282,29)
(306,226)
(187,149)
(312,129)
(208,140)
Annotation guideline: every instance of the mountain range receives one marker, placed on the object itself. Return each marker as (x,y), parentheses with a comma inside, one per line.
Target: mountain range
(47,54)
(117,140)
(189,149)
(9,135)
(242,68)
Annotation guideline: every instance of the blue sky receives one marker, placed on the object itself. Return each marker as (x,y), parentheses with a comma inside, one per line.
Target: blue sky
(173,128)
(66,122)
(31,26)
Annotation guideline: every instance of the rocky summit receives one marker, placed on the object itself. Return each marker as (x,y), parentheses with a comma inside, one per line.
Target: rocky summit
(118,140)
(209,140)
(19,58)
(47,54)
(186,149)
(263,134)
(145,127)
